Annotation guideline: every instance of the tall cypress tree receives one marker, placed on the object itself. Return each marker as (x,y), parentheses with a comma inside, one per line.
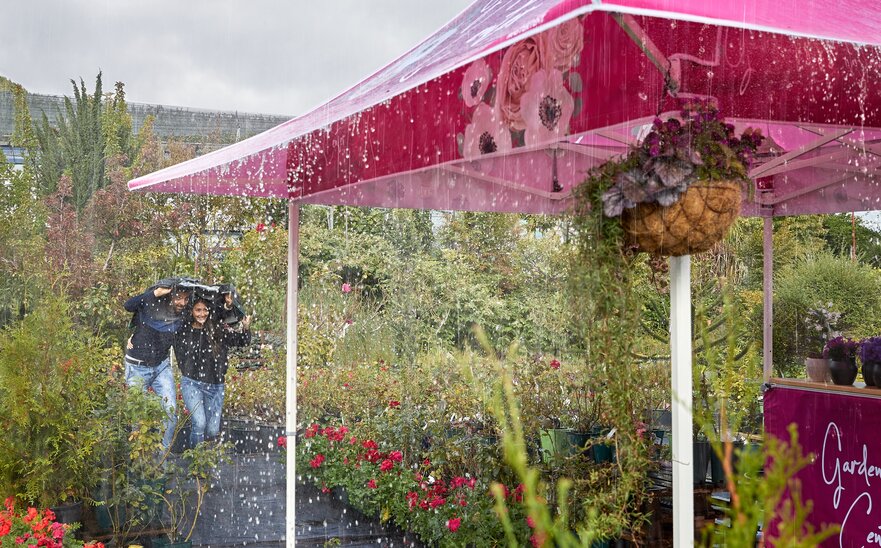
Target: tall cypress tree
(76,146)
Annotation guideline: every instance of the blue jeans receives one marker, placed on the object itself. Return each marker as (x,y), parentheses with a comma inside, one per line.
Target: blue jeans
(204,401)
(161,379)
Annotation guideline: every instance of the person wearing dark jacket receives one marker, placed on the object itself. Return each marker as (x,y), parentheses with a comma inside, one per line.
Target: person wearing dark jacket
(201,347)
(158,313)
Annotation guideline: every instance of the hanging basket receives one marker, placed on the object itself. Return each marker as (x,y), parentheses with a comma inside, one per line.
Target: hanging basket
(698,220)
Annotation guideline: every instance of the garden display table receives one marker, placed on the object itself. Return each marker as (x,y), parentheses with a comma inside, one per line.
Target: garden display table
(839,426)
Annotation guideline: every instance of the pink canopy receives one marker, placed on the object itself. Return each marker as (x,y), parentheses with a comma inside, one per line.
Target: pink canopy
(510,96)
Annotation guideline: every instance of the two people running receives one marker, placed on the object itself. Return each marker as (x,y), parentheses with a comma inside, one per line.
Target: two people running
(201,323)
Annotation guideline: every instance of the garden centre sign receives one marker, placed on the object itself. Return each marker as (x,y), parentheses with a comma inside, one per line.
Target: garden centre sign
(844,479)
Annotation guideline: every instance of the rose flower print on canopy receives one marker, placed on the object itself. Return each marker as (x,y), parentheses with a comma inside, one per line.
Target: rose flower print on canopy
(533,98)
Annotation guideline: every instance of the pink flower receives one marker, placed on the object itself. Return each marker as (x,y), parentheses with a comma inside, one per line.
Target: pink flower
(475,82)
(346,288)
(283,442)
(437,501)
(486,133)
(546,107)
(371,484)
(561,46)
(316,462)
(260,227)
(453,524)
(386,465)
(555,364)
(396,456)
(530,522)
(520,62)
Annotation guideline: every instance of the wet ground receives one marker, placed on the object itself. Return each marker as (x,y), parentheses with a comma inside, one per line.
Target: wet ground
(247,508)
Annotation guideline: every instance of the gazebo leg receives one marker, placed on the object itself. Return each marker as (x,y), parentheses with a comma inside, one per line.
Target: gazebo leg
(680,352)
(291,366)
(768,298)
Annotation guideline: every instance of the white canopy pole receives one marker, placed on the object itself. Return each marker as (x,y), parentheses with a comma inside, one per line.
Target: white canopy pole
(291,366)
(768,297)
(680,365)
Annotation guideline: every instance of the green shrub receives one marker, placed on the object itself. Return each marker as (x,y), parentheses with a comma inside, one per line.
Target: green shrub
(852,289)
(51,383)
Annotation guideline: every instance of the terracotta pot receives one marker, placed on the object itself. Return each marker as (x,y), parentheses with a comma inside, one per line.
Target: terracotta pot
(818,369)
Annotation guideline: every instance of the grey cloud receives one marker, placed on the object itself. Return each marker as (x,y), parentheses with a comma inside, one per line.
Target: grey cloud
(258,56)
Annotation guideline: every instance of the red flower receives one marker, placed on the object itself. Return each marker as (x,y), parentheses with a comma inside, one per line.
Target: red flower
(283,442)
(458,481)
(453,524)
(471,483)
(316,462)
(412,497)
(437,501)
(394,403)
(260,227)
(518,493)
(530,522)
(555,364)
(371,484)
(311,431)
(396,456)
(369,444)
(386,465)
(426,462)
(537,540)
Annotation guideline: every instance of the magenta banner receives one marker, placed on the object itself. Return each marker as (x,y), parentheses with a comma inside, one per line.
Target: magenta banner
(843,432)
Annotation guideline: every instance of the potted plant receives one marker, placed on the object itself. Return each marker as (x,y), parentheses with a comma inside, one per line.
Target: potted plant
(870,356)
(50,387)
(678,191)
(190,479)
(842,352)
(820,325)
(40,528)
(253,412)
(128,498)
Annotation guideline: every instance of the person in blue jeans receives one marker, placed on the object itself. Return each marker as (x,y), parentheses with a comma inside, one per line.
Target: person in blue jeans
(158,314)
(201,349)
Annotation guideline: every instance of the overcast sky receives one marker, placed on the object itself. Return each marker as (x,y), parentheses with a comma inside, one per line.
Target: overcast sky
(275,57)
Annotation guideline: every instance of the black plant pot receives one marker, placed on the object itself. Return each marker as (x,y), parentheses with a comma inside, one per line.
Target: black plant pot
(871,370)
(71,512)
(701,460)
(843,372)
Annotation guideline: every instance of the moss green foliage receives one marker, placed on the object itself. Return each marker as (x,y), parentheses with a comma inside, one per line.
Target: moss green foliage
(604,278)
